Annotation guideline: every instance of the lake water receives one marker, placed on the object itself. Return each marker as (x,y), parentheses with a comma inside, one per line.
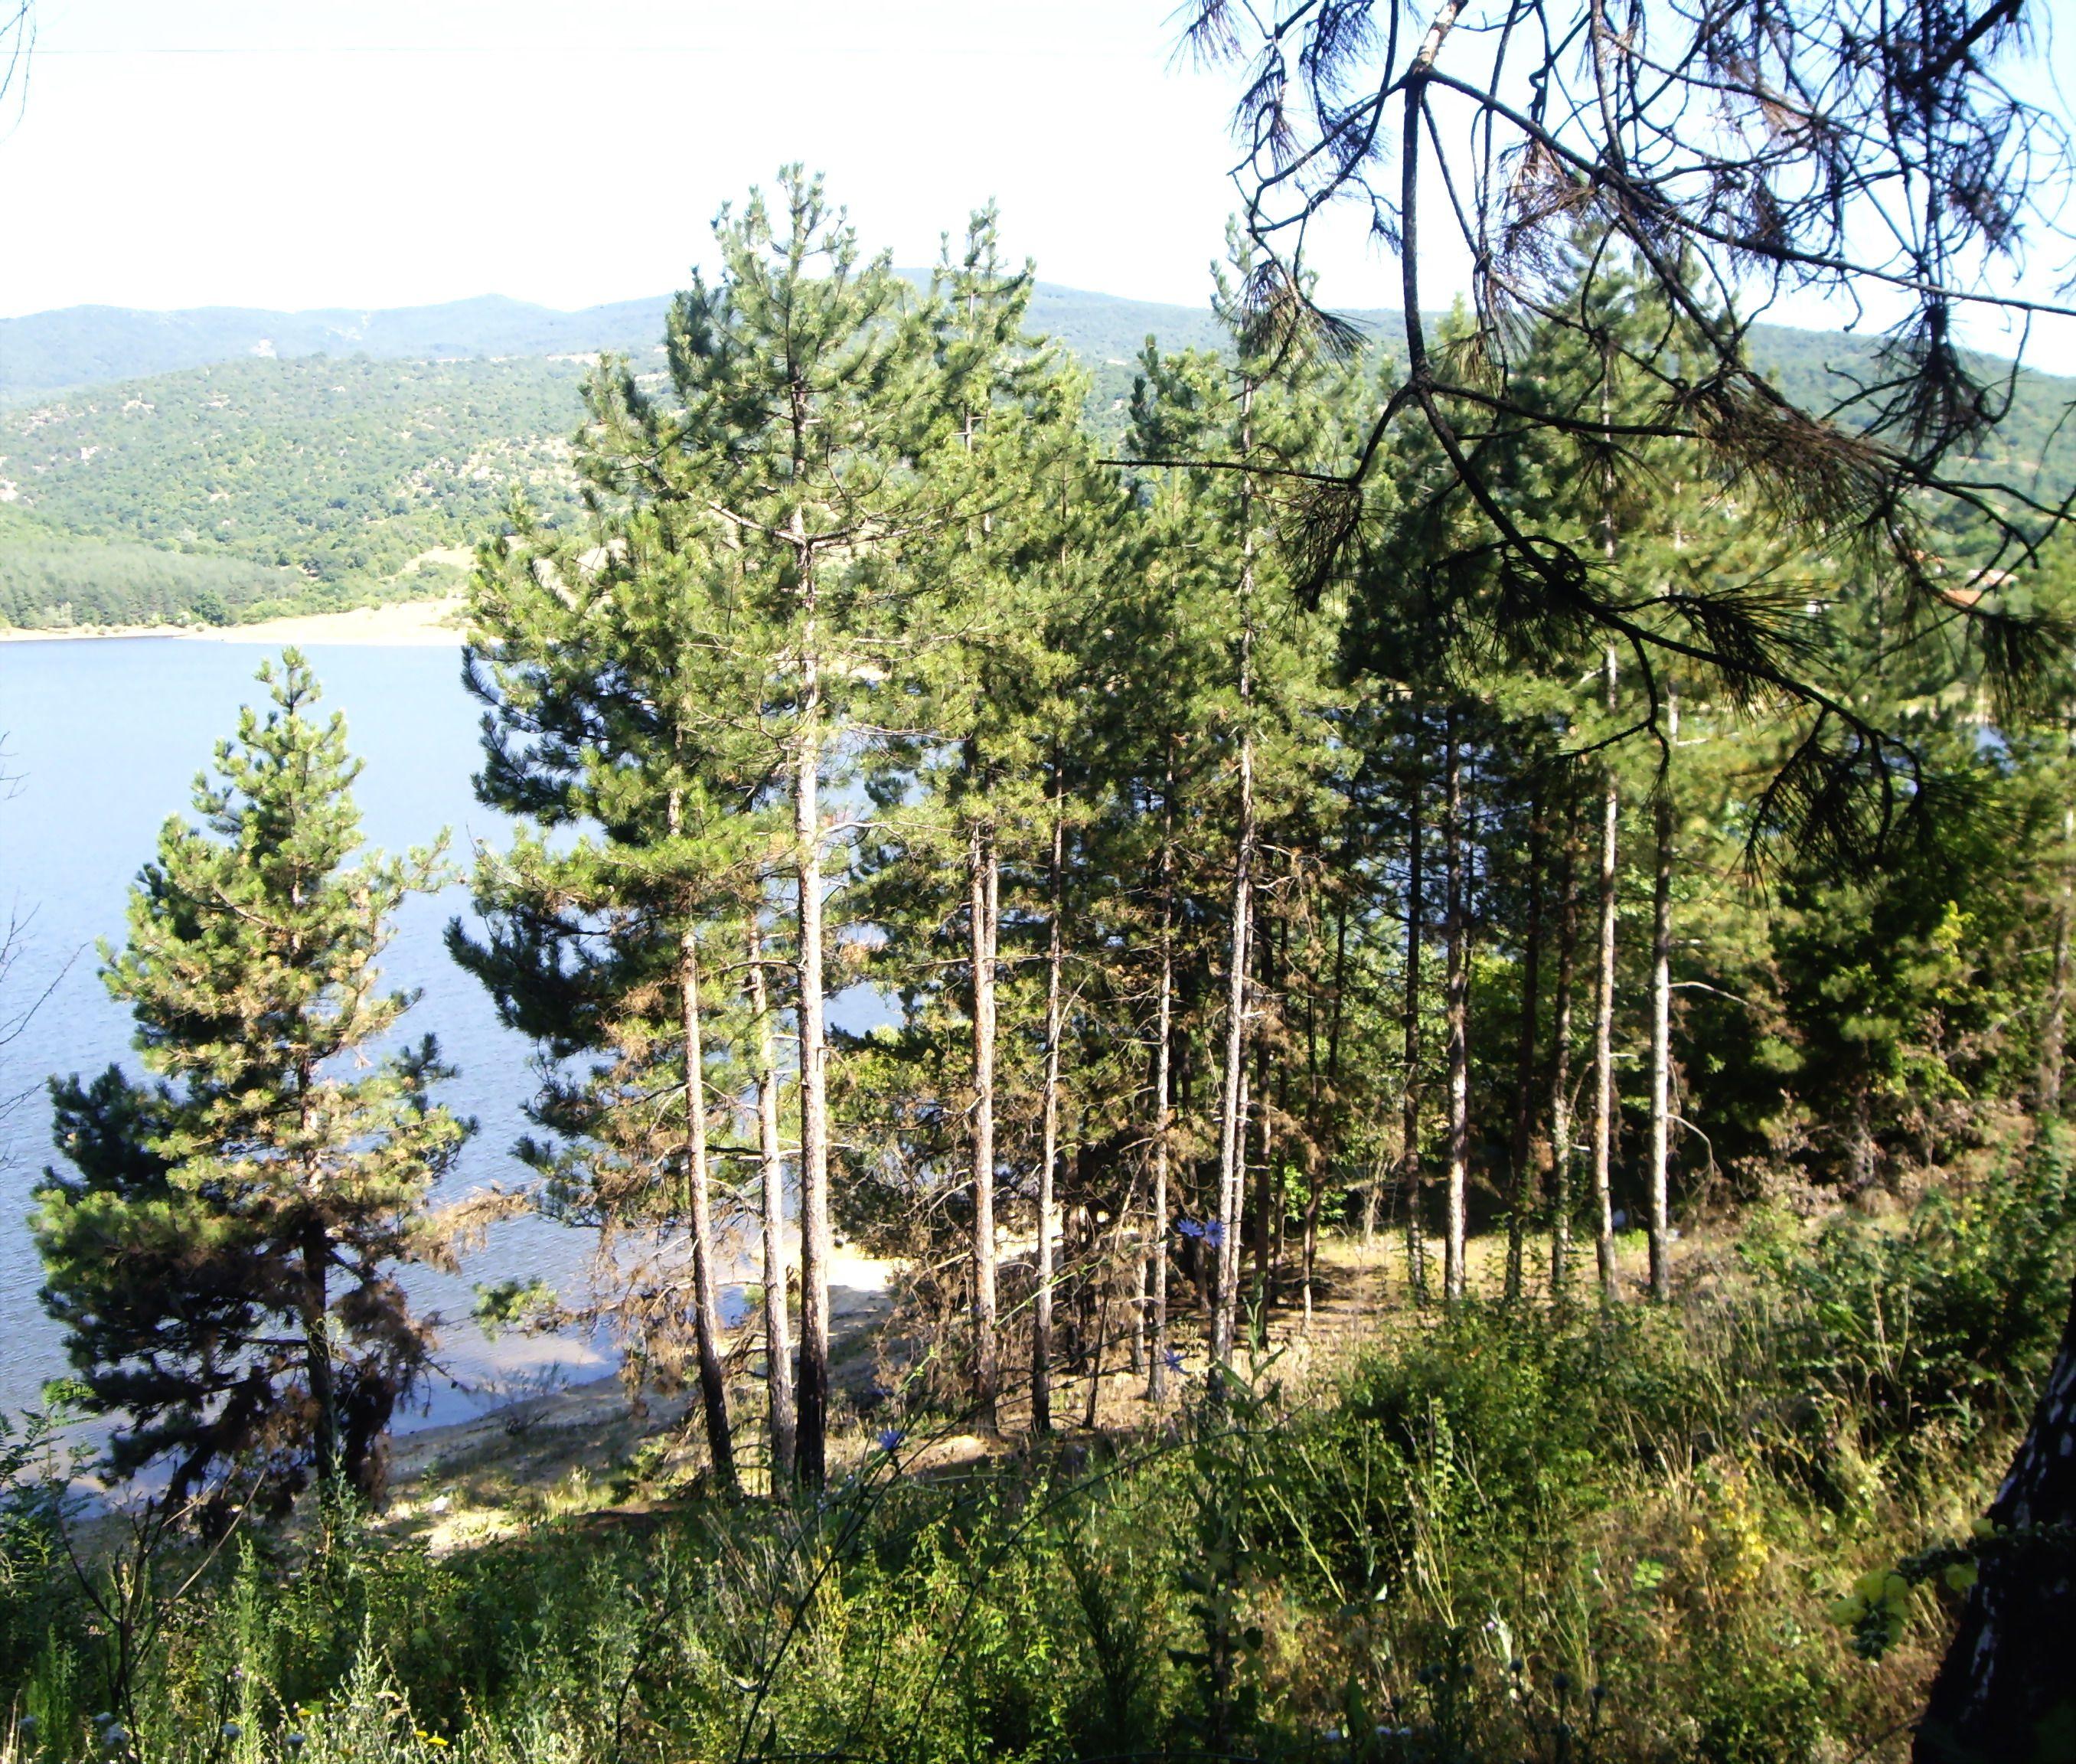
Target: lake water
(103,739)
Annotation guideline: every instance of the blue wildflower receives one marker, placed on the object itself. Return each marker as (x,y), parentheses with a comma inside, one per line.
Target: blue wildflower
(1189,1228)
(891,1438)
(1174,1359)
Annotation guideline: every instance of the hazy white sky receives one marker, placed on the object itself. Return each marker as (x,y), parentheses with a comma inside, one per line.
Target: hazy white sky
(297,153)
(250,152)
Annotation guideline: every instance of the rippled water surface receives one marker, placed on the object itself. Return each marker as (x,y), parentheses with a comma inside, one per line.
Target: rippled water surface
(103,738)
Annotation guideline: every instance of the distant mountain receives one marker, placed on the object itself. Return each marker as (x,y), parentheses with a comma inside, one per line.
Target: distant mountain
(85,346)
(224,463)
(75,347)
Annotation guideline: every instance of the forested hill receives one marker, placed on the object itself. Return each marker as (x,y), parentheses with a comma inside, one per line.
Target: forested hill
(224,463)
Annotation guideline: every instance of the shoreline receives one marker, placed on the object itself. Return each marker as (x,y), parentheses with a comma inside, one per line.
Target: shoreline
(398,624)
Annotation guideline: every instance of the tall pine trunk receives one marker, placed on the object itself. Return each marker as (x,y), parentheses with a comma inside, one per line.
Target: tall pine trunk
(1409,1182)
(1164,1009)
(1049,1151)
(772,1169)
(1562,1127)
(1523,1149)
(1456,1005)
(1661,1034)
(811,1445)
(1604,1025)
(1232,1123)
(981,874)
(319,1371)
(706,1304)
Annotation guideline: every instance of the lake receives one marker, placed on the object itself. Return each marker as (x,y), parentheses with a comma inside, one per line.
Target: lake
(103,739)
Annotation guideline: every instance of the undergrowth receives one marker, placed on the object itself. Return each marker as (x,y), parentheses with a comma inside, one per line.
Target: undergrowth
(1570,1534)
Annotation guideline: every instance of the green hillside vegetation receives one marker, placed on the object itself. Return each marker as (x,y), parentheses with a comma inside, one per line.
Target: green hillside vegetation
(258,486)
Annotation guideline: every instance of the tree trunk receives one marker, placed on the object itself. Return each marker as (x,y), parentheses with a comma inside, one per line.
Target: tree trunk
(2054,1033)
(706,1305)
(319,1371)
(1157,1361)
(1409,1180)
(2006,1689)
(981,875)
(1603,1026)
(777,1335)
(1561,1125)
(1041,1313)
(1524,1183)
(810,1454)
(1456,1004)
(1661,1037)
(1232,1124)
(1264,1176)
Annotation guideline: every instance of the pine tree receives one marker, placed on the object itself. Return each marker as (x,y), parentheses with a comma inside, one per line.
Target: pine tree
(223,1260)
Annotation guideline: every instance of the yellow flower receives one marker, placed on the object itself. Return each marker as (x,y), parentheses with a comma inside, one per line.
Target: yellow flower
(1983,1528)
(1961,1575)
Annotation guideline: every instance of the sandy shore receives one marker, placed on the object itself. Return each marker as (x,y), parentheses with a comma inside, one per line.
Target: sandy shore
(400,624)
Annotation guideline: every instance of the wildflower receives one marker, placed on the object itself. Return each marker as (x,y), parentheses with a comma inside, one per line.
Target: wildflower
(1215,1232)
(1189,1228)
(115,1736)
(294,1743)
(1984,1528)
(1961,1575)
(1174,1357)
(230,1730)
(1561,1684)
(26,1727)
(890,1439)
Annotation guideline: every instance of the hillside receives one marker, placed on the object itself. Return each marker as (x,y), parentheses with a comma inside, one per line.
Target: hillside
(227,463)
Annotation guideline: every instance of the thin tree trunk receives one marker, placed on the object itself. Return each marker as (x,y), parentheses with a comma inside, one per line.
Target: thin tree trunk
(1409,1176)
(1265,1179)
(1456,1004)
(981,877)
(1041,1314)
(2054,1033)
(706,1304)
(1232,1124)
(1524,1183)
(811,1451)
(1661,1034)
(1561,1125)
(1604,1025)
(778,1334)
(319,1371)
(1156,1364)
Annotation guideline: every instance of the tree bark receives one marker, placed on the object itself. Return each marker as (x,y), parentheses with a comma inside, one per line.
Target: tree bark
(1232,1124)
(319,1371)
(1561,1125)
(981,876)
(1661,1036)
(1041,1313)
(778,1334)
(1456,1004)
(1410,1179)
(2006,1689)
(1156,1365)
(1604,1025)
(1523,1148)
(706,1304)
(810,1453)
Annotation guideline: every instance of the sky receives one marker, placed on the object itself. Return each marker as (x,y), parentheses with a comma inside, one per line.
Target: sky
(170,153)
(187,152)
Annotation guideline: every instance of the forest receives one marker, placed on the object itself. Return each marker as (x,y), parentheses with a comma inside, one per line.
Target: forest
(1464,1145)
